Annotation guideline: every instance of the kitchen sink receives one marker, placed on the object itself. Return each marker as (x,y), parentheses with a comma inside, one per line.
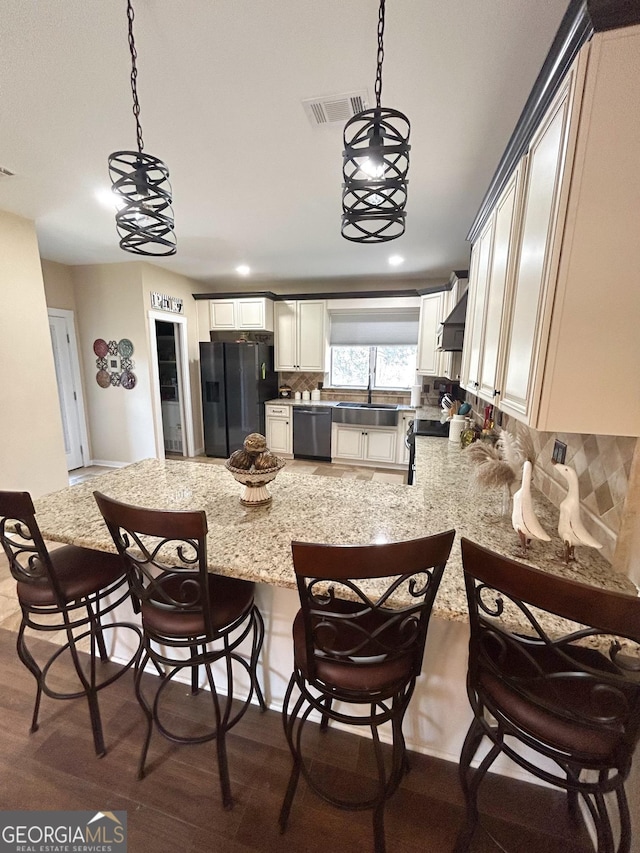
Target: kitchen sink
(367,406)
(365,414)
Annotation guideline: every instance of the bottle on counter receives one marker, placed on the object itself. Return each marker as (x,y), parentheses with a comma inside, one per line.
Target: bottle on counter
(469,434)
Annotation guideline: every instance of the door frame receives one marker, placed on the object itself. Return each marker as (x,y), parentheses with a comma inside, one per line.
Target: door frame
(69,318)
(184,381)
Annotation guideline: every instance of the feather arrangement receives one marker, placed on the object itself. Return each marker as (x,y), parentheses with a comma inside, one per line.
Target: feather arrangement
(490,469)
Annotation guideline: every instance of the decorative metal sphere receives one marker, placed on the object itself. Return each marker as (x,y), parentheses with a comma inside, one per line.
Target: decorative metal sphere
(375,167)
(145,218)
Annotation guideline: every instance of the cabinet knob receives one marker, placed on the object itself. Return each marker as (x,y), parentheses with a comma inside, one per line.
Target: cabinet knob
(495,392)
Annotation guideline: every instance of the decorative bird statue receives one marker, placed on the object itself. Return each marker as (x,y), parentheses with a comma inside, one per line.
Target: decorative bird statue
(523,518)
(570,527)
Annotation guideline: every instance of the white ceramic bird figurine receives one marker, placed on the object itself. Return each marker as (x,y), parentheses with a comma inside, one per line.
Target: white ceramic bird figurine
(570,527)
(523,518)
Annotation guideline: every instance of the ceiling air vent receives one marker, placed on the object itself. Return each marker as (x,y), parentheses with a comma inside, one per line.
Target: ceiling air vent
(6,173)
(334,109)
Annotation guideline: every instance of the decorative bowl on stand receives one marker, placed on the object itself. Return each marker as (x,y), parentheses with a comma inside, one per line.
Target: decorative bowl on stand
(255,492)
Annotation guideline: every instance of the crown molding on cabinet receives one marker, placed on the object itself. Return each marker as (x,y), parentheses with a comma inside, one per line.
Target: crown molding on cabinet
(582,19)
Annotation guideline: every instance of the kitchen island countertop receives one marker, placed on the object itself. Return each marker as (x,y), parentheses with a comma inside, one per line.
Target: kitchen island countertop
(254,543)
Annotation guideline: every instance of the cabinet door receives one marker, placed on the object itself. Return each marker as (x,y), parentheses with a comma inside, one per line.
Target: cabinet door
(528,321)
(286,351)
(496,310)
(348,442)
(311,335)
(431,311)
(478,278)
(223,314)
(380,445)
(279,435)
(250,314)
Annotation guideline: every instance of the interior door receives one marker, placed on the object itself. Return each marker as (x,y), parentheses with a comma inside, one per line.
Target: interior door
(69,410)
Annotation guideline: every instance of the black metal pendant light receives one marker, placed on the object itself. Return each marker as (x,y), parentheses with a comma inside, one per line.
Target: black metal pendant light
(141,184)
(375,167)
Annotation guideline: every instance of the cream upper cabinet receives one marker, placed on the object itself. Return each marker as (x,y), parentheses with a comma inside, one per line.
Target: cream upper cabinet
(568,327)
(301,335)
(534,279)
(234,314)
(431,315)
(478,278)
(496,303)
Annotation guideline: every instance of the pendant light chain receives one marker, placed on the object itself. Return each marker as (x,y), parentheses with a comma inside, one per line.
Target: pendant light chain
(375,163)
(140,183)
(380,58)
(134,77)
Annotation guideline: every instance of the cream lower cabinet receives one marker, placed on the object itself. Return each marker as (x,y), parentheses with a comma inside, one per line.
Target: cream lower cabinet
(279,428)
(364,444)
(301,335)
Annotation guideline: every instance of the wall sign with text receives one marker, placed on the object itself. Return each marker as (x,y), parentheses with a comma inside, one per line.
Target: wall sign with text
(167,303)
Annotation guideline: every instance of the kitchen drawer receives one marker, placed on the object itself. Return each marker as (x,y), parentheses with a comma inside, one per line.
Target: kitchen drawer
(278,411)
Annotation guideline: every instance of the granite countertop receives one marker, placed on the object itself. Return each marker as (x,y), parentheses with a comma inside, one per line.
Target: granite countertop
(254,543)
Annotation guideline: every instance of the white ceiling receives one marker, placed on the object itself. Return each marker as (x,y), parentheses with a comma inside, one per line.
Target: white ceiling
(220,85)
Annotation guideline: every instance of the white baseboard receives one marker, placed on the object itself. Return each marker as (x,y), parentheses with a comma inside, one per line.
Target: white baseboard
(106,463)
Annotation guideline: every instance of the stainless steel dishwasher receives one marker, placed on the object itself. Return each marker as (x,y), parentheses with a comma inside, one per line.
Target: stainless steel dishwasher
(312,432)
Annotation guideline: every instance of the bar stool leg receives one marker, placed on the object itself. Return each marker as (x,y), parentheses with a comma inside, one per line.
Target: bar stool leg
(257,623)
(465,835)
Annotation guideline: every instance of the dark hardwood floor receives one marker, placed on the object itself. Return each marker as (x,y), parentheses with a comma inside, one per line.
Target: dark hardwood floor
(177,808)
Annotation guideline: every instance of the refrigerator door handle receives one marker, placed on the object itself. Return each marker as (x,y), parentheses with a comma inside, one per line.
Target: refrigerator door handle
(212,392)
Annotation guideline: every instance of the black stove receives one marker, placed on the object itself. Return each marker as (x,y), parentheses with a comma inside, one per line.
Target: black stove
(422,426)
(429,427)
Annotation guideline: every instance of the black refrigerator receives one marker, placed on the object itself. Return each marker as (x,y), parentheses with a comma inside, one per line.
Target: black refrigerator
(237,380)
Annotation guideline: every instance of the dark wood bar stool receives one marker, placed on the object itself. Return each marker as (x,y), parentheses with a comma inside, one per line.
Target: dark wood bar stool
(69,589)
(358,642)
(190,619)
(573,698)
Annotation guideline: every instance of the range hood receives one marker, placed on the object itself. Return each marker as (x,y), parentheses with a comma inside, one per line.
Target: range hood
(451,331)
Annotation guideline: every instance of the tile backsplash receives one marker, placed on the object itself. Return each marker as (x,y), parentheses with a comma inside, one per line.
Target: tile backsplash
(309,381)
(603,464)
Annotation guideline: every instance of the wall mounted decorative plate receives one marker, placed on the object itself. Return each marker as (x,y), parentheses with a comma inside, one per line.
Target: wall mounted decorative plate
(103,378)
(125,348)
(100,347)
(128,380)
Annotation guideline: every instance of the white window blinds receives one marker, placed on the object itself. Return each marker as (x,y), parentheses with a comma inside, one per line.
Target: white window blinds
(375,328)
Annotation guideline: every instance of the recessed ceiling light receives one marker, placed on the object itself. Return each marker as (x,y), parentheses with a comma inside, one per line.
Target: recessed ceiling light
(243,269)
(395,260)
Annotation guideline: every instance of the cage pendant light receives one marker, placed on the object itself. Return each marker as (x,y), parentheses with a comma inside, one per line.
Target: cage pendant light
(375,167)
(140,182)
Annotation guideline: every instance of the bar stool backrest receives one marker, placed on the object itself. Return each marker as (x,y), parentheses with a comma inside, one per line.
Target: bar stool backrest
(369,604)
(586,674)
(165,555)
(29,560)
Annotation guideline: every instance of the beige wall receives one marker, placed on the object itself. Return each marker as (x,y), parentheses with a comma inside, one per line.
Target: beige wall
(32,456)
(58,286)
(109,304)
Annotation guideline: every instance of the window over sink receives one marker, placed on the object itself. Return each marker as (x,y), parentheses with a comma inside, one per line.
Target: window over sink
(384,367)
